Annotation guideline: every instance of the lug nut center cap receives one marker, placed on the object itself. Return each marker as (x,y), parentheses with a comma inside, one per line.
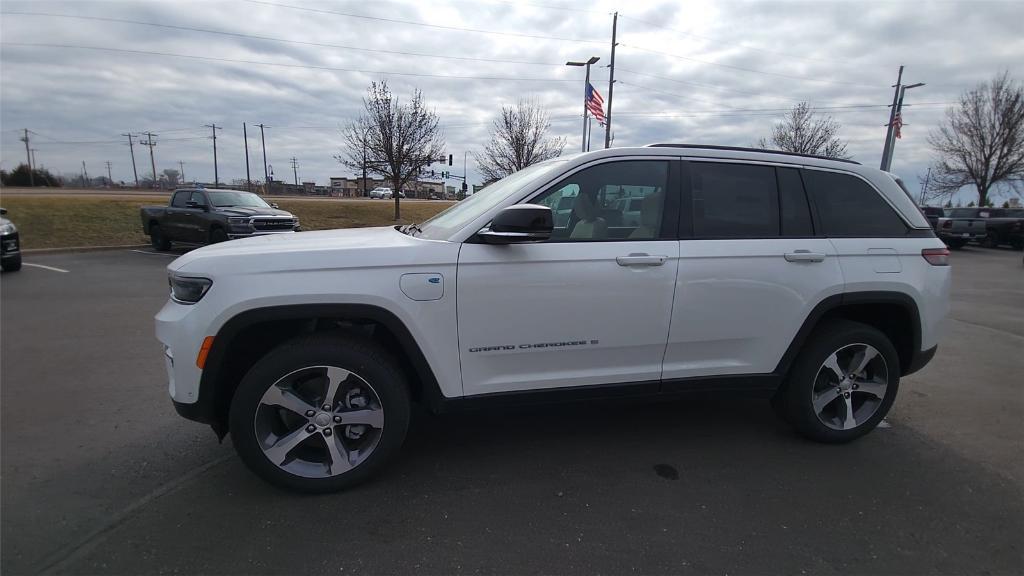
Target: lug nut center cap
(322,419)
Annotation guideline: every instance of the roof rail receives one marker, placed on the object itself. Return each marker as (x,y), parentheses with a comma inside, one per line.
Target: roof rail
(742,149)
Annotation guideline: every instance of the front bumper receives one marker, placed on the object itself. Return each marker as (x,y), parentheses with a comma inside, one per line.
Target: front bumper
(237,235)
(10,245)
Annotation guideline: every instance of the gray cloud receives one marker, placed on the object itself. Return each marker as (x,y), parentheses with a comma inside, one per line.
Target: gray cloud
(832,54)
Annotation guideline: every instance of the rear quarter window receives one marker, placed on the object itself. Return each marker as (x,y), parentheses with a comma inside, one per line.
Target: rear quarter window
(849,206)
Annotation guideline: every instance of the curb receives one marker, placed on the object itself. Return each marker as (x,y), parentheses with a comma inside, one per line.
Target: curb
(71,249)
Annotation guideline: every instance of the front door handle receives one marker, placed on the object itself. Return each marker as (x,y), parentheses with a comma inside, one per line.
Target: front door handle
(641,260)
(804,256)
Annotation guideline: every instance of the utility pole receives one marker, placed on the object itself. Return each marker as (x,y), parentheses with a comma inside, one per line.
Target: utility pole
(216,177)
(892,118)
(182,166)
(34,158)
(85,175)
(245,138)
(266,177)
(131,149)
(465,187)
(28,158)
(365,136)
(110,179)
(152,162)
(295,169)
(611,86)
(924,188)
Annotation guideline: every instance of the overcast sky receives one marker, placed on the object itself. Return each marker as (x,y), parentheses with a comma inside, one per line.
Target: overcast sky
(699,72)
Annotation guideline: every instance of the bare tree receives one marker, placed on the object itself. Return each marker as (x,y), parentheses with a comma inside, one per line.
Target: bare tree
(982,140)
(518,139)
(398,140)
(804,132)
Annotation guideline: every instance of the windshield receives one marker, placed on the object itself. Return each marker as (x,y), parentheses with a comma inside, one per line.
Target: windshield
(224,198)
(444,224)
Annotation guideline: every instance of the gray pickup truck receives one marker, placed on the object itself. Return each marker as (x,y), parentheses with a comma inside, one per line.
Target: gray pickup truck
(205,216)
(960,226)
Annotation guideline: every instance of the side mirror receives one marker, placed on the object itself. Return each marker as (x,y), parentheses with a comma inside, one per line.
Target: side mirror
(273,205)
(519,224)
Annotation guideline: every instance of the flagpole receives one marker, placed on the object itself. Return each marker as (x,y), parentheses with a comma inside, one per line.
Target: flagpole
(586,90)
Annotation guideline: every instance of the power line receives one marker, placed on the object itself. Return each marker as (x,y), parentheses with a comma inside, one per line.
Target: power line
(424,24)
(277,39)
(282,65)
(699,84)
(740,44)
(751,70)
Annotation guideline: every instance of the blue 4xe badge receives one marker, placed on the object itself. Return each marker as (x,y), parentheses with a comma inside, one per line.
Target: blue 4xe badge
(434,280)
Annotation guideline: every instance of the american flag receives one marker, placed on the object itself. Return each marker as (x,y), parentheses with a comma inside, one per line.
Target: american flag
(897,124)
(595,104)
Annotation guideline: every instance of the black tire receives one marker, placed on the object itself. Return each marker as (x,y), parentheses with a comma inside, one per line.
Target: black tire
(157,239)
(794,399)
(371,362)
(11,263)
(218,235)
(956,243)
(991,240)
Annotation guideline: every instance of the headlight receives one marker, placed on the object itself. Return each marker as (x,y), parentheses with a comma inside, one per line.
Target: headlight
(187,290)
(10,228)
(239,223)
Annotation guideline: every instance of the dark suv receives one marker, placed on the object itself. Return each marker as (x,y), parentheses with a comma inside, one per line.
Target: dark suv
(10,245)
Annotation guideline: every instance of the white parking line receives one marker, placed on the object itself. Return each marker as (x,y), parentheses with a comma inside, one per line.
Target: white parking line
(155,253)
(44,267)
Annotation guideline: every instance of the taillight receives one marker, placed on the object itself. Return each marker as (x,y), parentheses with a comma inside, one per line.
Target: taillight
(936,256)
(947,224)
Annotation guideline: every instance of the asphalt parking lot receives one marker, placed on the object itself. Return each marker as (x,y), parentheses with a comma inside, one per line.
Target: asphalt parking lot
(99,475)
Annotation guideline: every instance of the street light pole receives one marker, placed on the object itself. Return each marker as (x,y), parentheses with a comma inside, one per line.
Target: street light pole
(586,86)
(897,113)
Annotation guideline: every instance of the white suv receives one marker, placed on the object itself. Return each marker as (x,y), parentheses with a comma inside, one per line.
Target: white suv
(816,282)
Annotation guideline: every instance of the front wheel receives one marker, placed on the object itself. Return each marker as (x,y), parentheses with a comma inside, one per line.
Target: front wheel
(320,413)
(218,235)
(842,384)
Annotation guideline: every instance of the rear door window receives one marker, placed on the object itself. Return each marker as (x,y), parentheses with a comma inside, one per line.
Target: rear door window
(848,206)
(734,201)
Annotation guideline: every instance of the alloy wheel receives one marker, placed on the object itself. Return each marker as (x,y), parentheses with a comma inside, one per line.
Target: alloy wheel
(319,421)
(850,386)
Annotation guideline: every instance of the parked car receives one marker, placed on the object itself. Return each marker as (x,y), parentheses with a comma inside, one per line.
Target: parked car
(10,244)
(1003,226)
(933,213)
(381,193)
(310,349)
(959,226)
(208,216)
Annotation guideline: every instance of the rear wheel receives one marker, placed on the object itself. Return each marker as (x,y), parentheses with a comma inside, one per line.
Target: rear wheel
(842,384)
(157,239)
(218,235)
(320,413)
(991,240)
(956,243)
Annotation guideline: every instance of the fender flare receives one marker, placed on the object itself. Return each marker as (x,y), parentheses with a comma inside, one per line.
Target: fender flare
(836,301)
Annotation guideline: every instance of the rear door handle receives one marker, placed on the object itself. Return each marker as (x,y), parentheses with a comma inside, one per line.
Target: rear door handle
(804,256)
(641,260)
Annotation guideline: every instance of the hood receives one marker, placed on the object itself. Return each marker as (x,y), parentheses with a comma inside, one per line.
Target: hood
(251,211)
(322,248)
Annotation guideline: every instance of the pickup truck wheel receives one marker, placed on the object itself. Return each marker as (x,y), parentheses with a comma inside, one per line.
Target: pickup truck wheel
(842,384)
(320,413)
(991,240)
(156,237)
(218,235)
(956,243)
